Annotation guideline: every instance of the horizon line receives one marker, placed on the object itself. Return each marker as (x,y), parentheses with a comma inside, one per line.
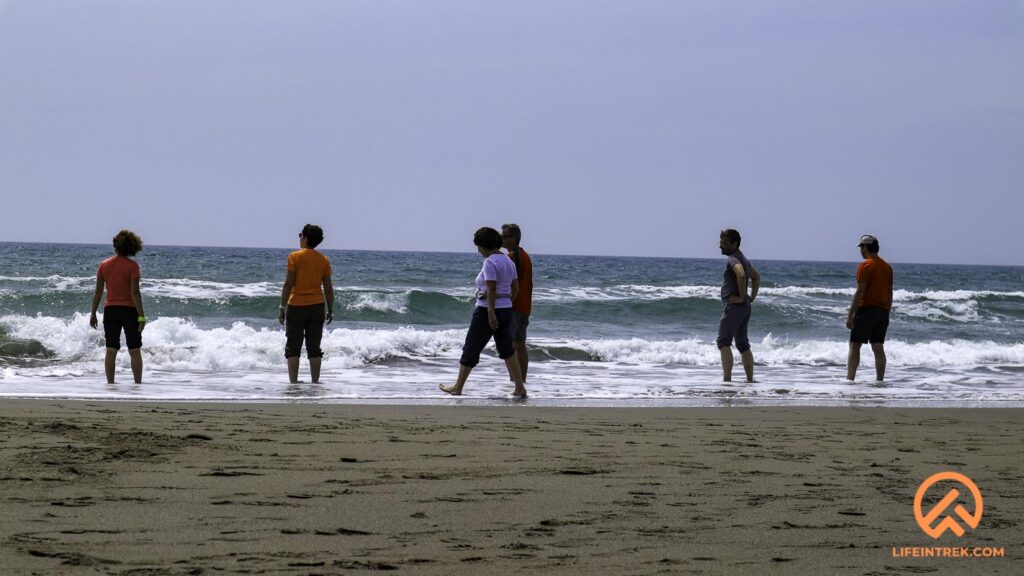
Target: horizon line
(537,253)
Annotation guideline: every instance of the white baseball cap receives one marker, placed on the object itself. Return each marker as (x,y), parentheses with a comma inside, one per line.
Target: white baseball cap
(867,239)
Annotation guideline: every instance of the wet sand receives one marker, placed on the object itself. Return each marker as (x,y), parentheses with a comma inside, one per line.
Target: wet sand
(125,488)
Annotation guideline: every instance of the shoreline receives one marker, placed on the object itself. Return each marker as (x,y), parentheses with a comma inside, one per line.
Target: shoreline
(739,404)
(300,488)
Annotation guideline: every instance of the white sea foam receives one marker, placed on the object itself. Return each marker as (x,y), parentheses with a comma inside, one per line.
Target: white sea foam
(183,288)
(240,362)
(178,344)
(958,305)
(775,352)
(187,289)
(646,292)
(394,302)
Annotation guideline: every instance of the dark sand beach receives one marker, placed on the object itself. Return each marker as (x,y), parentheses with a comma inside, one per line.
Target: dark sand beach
(126,488)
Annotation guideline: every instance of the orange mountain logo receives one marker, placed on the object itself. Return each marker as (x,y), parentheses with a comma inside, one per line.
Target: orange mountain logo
(927,520)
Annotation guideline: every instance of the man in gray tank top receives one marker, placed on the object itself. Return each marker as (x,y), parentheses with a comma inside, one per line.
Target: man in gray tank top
(739,273)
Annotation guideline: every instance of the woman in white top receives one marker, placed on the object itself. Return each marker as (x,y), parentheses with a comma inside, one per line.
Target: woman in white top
(497,286)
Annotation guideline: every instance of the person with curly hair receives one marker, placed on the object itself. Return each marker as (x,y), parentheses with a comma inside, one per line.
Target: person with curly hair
(496,288)
(120,275)
(307,303)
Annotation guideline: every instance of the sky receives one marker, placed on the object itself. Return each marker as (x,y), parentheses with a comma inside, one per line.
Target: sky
(636,128)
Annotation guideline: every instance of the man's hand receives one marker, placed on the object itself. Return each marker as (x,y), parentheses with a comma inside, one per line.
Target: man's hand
(280,316)
(737,299)
(142,326)
(92,320)
(330,316)
(849,322)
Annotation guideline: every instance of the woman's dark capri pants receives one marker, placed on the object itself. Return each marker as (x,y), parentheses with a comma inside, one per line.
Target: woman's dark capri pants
(117,318)
(734,322)
(304,321)
(480,334)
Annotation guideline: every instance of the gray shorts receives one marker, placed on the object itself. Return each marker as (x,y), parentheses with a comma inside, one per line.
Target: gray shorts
(522,321)
(733,324)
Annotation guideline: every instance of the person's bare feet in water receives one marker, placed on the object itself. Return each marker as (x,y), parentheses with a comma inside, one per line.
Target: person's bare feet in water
(454,391)
(519,392)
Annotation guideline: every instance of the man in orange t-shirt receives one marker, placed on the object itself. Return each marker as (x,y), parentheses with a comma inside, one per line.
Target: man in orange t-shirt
(868,319)
(511,235)
(305,308)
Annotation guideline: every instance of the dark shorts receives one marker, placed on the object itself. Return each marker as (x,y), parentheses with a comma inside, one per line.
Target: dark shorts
(118,318)
(733,324)
(522,321)
(869,325)
(304,322)
(480,334)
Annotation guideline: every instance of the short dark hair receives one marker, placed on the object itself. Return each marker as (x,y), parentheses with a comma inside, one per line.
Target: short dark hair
(733,236)
(314,235)
(513,231)
(872,248)
(488,238)
(127,243)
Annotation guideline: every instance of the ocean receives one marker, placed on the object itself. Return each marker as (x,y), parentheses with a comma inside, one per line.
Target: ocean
(604,331)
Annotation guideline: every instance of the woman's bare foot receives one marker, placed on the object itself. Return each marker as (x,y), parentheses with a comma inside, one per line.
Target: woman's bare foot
(519,392)
(450,390)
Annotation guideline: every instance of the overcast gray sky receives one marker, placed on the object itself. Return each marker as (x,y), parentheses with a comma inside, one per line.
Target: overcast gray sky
(621,128)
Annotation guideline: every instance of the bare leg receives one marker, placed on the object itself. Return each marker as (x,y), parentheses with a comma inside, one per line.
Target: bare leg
(293,369)
(314,369)
(109,362)
(523,355)
(459,383)
(748,364)
(512,363)
(853,361)
(726,363)
(136,357)
(879,351)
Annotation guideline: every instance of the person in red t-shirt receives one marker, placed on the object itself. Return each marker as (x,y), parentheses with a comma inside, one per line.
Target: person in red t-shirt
(868,319)
(120,275)
(511,235)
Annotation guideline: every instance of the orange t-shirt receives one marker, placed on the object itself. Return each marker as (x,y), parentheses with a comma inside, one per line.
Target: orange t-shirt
(117,273)
(878,274)
(524,298)
(310,268)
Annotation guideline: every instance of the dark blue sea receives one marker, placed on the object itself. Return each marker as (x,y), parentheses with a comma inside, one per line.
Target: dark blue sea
(605,330)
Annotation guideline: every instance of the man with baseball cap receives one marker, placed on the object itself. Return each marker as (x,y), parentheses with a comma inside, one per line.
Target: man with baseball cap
(869,312)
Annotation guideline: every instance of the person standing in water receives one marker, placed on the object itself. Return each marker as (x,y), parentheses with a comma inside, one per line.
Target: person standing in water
(868,318)
(305,307)
(736,316)
(497,287)
(511,235)
(120,275)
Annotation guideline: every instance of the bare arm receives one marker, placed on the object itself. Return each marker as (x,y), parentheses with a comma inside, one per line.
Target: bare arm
(858,296)
(492,296)
(137,301)
(755,282)
(329,298)
(515,289)
(286,292)
(97,296)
